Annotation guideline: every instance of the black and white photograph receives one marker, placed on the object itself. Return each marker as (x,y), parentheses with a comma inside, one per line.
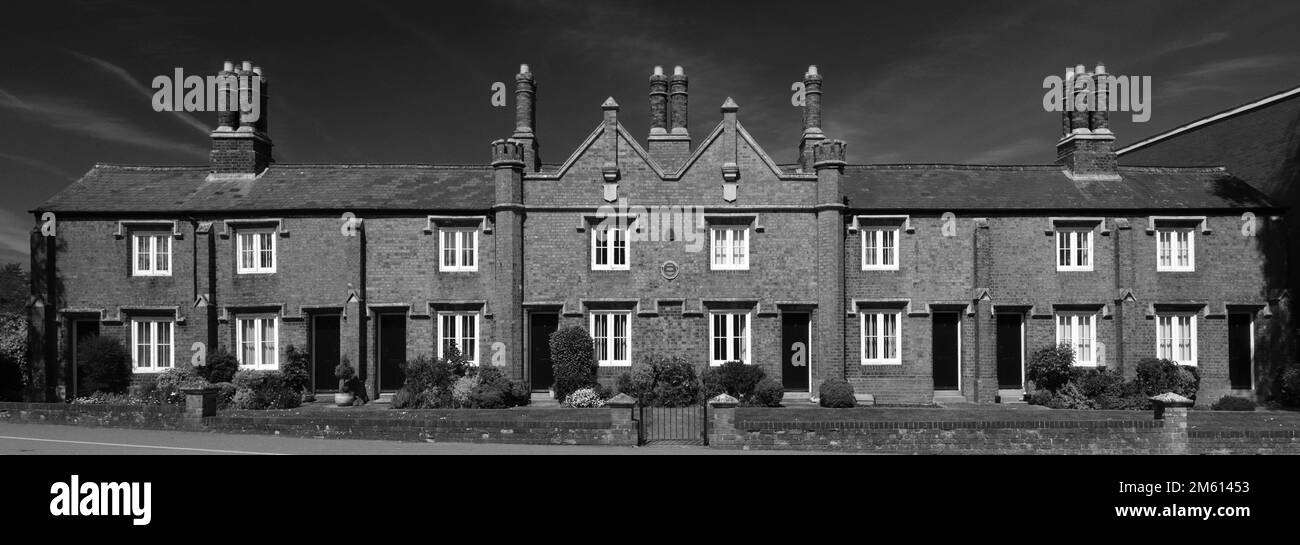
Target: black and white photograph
(523,230)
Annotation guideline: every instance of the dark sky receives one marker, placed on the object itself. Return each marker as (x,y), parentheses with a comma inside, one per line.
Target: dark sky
(389,82)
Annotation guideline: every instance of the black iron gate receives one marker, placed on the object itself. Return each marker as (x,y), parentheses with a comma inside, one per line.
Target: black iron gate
(673,425)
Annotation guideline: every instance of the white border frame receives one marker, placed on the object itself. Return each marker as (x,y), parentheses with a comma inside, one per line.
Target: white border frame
(153,345)
(1195,338)
(1074,334)
(239,251)
(862,338)
(749,336)
(460,267)
(1056,250)
(862,248)
(609,257)
(258,365)
(591,326)
(713,265)
(152,236)
(459,334)
(1191,249)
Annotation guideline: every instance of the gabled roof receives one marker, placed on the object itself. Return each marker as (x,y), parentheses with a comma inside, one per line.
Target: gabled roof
(1045,187)
(1208,120)
(142,189)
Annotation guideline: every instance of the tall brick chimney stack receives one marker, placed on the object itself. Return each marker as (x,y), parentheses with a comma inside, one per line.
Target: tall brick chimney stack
(526,118)
(1086,149)
(812,118)
(658,103)
(240,145)
(670,139)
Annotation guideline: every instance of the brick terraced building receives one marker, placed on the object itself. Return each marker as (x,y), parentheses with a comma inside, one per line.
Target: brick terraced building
(911,281)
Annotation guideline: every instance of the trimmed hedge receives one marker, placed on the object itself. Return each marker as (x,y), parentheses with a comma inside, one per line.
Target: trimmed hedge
(103,365)
(1232,403)
(573,359)
(836,393)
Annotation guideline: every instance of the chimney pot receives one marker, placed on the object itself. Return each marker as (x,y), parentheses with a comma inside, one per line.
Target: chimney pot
(228,66)
(812,70)
(678,71)
(247,66)
(523,69)
(257,70)
(659,71)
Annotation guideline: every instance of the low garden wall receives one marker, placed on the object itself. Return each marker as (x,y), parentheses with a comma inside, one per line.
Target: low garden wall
(935,431)
(157,417)
(869,430)
(533,426)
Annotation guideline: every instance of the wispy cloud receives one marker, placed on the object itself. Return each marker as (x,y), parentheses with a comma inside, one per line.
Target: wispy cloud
(78,119)
(124,77)
(38,165)
(1221,75)
(1186,43)
(1004,154)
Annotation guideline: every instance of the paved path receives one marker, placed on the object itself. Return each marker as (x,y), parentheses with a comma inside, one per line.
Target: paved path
(49,439)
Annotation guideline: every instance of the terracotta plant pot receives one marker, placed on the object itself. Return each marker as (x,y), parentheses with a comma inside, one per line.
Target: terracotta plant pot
(343,399)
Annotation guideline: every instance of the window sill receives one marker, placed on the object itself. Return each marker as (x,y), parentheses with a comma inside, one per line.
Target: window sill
(1158,269)
(879,268)
(151,275)
(148,370)
(882,362)
(614,364)
(252,273)
(1074,269)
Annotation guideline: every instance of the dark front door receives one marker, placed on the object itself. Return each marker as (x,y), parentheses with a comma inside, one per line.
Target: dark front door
(539,349)
(1239,351)
(945,350)
(84,329)
(1009,351)
(794,351)
(324,351)
(392,351)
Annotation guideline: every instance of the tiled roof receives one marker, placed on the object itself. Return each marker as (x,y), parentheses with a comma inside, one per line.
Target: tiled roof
(1046,187)
(111,188)
(137,189)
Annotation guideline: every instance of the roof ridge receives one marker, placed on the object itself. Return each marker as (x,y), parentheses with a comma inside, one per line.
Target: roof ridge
(1244,107)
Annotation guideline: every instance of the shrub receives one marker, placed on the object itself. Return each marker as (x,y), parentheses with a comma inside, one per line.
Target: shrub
(1049,368)
(106,398)
(639,383)
(15,372)
(573,359)
(496,391)
(1069,397)
(1232,403)
(103,365)
(1289,387)
(836,393)
(429,382)
(676,384)
(584,398)
(733,378)
(225,394)
(265,390)
(1095,383)
(244,399)
(1128,396)
(297,369)
(463,389)
(171,381)
(768,393)
(1158,376)
(221,366)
